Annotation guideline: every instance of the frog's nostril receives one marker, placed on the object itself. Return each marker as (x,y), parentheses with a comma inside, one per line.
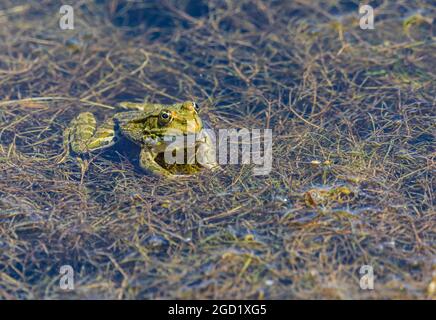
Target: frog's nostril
(190,106)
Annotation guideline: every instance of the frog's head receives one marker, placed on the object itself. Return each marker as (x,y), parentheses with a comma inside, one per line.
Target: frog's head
(156,123)
(178,119)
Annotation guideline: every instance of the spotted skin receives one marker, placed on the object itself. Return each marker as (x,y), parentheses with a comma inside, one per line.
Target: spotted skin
(84,136)
(145,124)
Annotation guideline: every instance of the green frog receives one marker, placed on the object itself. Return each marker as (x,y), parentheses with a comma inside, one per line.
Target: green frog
(154,127)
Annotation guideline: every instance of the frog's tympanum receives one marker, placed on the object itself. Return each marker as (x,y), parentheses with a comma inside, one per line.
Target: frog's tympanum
(154,127)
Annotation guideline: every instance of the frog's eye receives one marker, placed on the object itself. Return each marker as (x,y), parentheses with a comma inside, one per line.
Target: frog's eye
(165,117)
(196,106)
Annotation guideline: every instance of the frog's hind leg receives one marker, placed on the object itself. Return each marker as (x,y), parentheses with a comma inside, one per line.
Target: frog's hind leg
(84,136)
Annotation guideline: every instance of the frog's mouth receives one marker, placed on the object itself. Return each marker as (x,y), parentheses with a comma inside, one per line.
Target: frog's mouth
(181,141)
(173,132)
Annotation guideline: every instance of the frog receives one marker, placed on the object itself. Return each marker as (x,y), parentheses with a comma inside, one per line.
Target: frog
(153,127)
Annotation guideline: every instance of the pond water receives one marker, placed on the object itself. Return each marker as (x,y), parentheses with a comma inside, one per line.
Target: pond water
(352,114)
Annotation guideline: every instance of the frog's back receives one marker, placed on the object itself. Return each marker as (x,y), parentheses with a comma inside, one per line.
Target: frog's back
(143,106)
(125,117)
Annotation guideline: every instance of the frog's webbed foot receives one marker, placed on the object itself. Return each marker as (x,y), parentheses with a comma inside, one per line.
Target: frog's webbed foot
(83,136)
(65,147)
(147,162)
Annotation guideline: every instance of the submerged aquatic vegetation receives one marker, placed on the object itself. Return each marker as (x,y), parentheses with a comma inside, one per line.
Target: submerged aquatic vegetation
(348,107)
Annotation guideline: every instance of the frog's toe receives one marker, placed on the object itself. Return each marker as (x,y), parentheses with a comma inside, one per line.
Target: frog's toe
(212,166)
